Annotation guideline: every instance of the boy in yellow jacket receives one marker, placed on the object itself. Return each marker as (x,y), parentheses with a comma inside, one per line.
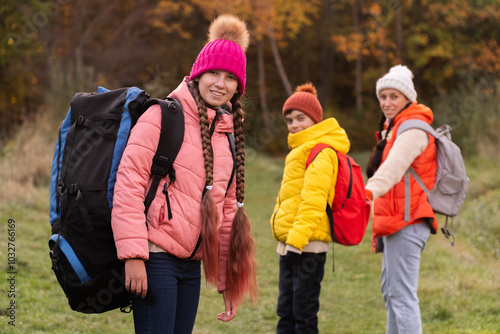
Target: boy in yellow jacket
(299,222)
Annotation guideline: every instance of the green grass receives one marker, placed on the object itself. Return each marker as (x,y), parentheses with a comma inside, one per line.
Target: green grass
(459,286)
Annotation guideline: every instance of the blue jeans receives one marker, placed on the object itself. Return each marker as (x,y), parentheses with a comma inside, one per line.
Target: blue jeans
(298,298)
(400,271)
(173,295)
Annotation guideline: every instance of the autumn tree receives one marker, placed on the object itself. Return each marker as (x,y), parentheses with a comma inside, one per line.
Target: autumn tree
(21,61)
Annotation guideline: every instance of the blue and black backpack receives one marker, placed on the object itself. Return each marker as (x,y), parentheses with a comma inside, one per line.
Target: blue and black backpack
(89,147)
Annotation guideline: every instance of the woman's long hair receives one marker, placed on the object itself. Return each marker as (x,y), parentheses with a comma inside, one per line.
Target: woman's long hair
(241,267)
(210,242)
(377,152)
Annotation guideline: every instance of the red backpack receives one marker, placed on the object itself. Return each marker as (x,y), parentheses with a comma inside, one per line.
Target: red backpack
(349,212)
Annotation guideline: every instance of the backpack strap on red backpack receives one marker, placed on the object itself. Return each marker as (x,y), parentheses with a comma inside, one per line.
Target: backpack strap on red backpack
(314,152)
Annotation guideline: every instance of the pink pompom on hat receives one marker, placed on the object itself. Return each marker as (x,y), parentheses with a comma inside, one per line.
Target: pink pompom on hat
(228,40)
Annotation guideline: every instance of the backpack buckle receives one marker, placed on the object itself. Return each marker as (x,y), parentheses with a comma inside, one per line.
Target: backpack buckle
(172,175)
(447,232)
(80,119)
(159,171)
(159,165)
(59,189)
(72,188)
(160,160)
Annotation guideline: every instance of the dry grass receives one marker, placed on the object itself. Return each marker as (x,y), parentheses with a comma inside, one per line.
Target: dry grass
(26,160)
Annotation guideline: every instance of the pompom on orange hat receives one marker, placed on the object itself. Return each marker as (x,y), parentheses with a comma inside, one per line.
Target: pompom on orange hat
(305,99)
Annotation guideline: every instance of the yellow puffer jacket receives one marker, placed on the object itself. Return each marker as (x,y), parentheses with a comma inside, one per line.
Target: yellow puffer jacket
(299,215)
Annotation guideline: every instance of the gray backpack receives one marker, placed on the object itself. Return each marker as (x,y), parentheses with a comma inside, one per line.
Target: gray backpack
(448,194)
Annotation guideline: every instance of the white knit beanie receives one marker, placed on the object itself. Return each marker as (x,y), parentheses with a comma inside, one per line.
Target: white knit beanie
(399,78)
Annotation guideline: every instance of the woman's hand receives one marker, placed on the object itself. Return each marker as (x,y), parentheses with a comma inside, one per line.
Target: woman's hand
(230,309)
(136,280)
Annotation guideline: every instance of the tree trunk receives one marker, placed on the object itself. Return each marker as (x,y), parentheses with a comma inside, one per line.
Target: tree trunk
(279,64)
(262,85)
(358,86)
(399,32)
(327,59)
(383,61)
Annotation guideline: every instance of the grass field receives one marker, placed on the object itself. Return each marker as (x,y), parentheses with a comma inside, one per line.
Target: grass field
(459,286)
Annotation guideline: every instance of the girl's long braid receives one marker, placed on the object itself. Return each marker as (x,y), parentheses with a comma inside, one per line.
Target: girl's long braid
(209,213)
(205,134)
(239,137)
(377,151)
(241,268)
(381,123)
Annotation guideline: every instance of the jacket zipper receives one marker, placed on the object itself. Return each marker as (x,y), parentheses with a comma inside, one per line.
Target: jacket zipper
(198,243)
(165,191)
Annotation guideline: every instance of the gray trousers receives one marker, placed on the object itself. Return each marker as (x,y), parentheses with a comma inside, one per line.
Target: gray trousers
(400,271)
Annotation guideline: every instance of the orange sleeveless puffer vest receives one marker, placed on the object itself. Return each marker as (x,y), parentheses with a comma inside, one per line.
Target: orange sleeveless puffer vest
(389,210)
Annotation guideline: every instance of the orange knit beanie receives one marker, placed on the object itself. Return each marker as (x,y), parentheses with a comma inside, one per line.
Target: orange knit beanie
(305,99)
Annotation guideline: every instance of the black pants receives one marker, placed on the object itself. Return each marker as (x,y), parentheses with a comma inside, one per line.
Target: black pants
(299,289)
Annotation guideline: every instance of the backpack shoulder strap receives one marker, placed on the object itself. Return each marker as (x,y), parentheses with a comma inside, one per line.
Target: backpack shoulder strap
(406,125)
(312,155)
(169,144)
(232,147)
(314,152)
(416,124)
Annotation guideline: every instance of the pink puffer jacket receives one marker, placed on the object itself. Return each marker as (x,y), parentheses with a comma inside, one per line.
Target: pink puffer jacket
(180,235)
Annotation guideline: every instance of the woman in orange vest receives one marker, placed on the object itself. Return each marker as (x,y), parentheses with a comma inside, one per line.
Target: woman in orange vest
(401,225)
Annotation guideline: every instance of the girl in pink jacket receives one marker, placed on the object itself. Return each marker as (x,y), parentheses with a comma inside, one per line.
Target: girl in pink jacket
(202,218)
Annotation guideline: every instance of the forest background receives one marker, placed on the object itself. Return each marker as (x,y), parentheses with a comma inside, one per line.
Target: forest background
(51,49)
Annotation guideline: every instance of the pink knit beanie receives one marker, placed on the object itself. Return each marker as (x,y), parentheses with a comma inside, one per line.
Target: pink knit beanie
(228,40)
(305,100)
